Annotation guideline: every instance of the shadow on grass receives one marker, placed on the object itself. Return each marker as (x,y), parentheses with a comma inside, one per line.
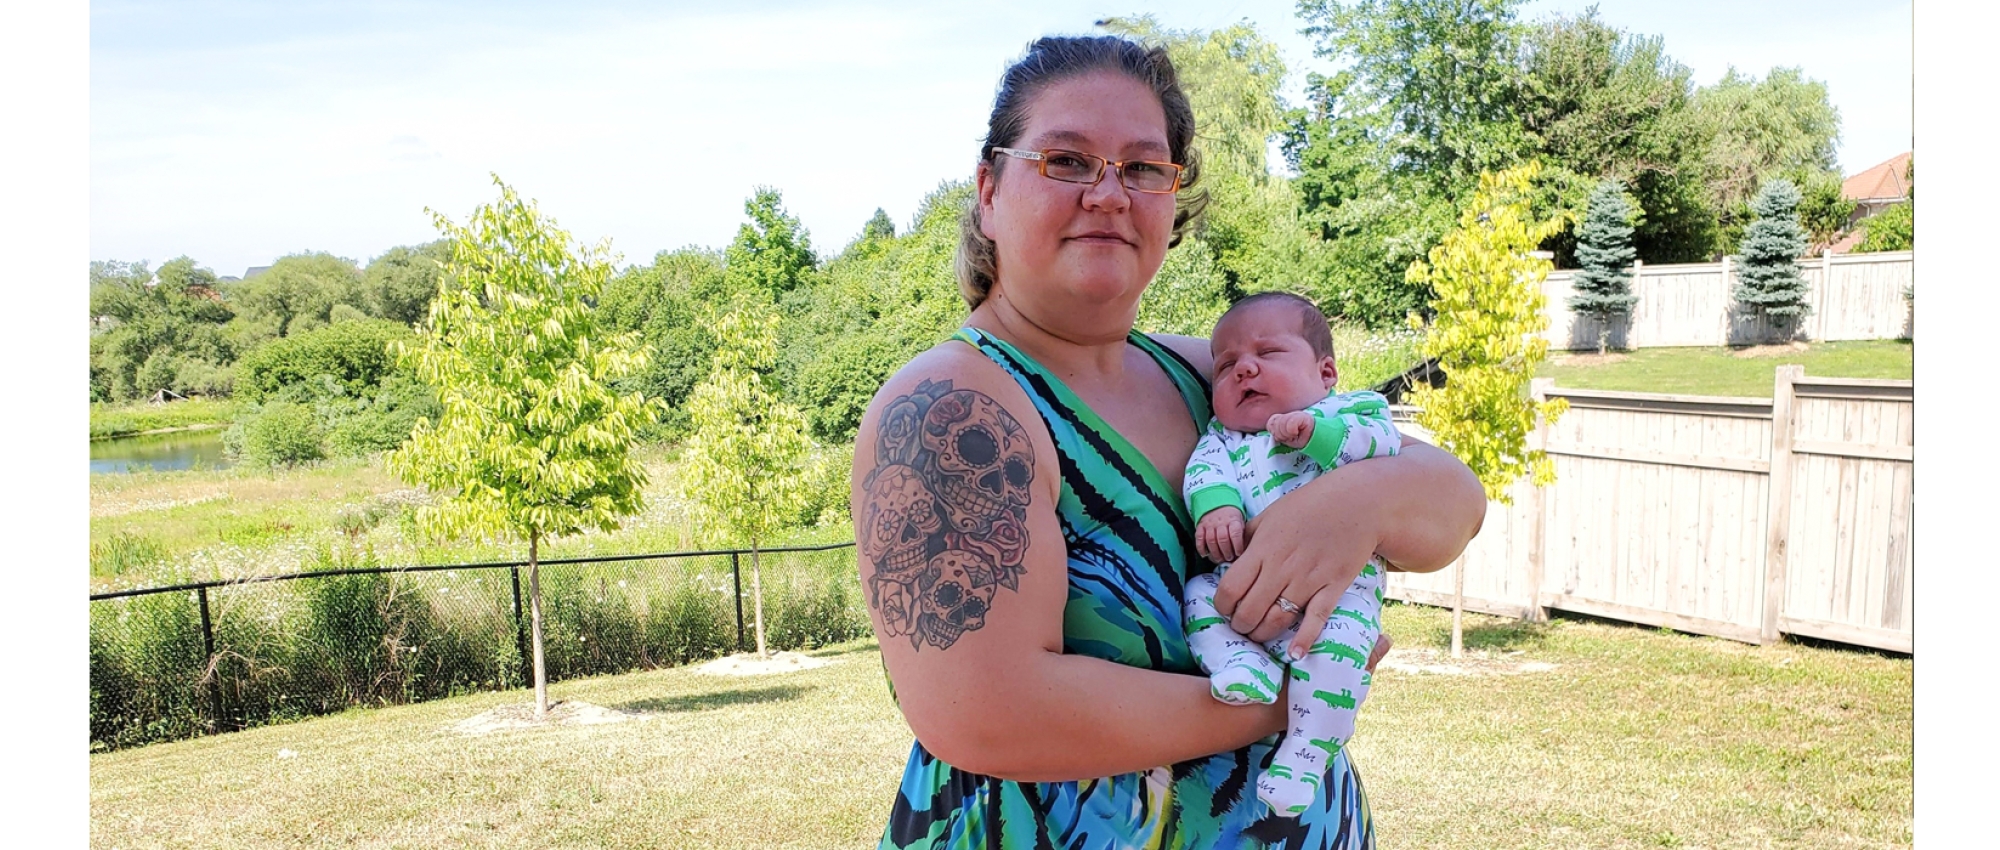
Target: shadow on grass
(836,652)
(724,699)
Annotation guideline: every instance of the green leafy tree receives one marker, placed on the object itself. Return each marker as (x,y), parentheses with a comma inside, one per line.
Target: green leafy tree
(152,332)
(1487,336)
(1759,130)
(1768,279)
(1436,82)
(879,226)
(399,284)
(663,302)
(297,294)
(747,459)
(772,254)
(532,441)
(1893,229)
(1824,209)
(1605,253)
(1600,103)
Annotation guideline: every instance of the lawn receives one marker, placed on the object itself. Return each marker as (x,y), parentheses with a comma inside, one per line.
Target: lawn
(1724,371)
(1576,733)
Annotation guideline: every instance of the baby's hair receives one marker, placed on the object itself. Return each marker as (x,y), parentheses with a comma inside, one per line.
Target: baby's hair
(1312,322)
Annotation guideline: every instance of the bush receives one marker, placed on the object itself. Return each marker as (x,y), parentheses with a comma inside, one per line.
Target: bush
(281,433)
(355,354)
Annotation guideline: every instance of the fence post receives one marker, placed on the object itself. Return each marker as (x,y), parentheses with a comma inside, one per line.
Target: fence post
(1538,507)
(520,638)
(1778,510)
(208,662)
(736,574)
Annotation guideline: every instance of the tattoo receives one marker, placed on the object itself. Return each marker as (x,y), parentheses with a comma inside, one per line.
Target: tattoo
(945,521)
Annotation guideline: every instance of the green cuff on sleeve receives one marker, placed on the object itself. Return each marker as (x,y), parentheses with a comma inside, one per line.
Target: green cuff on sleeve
(1206,499)
(1329,434)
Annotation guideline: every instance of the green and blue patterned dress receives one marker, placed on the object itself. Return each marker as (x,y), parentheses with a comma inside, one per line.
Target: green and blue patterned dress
(1130,547)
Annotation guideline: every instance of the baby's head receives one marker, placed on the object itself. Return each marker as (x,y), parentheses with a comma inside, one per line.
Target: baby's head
(1273,354)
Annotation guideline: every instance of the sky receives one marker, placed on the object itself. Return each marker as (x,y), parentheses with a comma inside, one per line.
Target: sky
(238,132)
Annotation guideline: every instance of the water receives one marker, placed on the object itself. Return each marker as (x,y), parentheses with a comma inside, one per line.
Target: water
(176,450)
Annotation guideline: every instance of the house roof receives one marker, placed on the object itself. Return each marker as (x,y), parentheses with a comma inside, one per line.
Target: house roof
(1884,182)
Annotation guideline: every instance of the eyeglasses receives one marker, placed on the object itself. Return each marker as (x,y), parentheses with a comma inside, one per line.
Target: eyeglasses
(1138,175)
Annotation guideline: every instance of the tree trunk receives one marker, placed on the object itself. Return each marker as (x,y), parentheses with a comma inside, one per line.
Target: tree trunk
(757,597)
(1458,608)
(535,626)
(1603,336)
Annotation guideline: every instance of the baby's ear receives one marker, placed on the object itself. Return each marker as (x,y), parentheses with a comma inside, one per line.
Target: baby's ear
(1329,373)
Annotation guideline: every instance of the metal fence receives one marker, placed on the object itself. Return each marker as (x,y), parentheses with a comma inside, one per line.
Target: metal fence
(194,659)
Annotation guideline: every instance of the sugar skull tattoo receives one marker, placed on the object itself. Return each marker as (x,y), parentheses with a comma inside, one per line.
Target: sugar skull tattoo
(946,510)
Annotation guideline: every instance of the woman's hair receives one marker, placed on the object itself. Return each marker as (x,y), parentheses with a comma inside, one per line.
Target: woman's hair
(1053,60)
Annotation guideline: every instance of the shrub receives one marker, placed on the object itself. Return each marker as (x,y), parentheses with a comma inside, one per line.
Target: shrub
(282,433)
(354,353)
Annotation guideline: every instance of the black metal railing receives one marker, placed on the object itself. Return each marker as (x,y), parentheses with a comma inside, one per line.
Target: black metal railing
(235,653)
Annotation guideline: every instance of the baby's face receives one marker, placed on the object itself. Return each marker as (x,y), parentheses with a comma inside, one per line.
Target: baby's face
(1263,366)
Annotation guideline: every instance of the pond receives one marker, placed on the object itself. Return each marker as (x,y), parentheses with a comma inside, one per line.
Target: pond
(173,450)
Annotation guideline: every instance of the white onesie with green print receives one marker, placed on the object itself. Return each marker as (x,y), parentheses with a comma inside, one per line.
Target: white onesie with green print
(1249,472)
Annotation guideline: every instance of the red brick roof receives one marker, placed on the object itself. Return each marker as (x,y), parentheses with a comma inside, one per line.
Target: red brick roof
(1883,182)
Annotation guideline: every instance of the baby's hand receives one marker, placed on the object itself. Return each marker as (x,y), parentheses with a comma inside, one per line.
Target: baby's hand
(1219,535)
(1293,429)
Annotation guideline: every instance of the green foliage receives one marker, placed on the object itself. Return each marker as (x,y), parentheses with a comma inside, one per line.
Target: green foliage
(746,460)
(1768,279)
(1601,103)
(297,293)
(1823,209)
(151,332)
(355,354)
(662,302)
(879,226)
(399,284)
(119,420)
(531,441)
(772,254)
(1487,335)
(281,433)
(1759,130)
(1187,296)
(1605,253)
(1893,229)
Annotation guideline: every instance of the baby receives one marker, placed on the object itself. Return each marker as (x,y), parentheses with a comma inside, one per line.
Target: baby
(1277,425)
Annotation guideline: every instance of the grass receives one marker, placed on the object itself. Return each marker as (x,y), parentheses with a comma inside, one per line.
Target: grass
(149,528)
(1722,372)
(119,420)
(1367,358)
(1636,738)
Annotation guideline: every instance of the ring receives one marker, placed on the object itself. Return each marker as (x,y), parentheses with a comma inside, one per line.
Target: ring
(1287,604)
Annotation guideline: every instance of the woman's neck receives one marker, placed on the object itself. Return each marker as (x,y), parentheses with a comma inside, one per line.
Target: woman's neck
(1061,347)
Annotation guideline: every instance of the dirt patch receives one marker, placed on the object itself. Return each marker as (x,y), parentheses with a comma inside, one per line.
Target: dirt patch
(1475,663)
(1592,359)
(1754,351)
(567,712)
(749,664)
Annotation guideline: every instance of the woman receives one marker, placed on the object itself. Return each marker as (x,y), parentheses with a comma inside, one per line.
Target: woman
(1016,492)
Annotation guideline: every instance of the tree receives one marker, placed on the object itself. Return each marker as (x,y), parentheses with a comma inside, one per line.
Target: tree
(772,254)
(1823,208)
(1758,130)
(1601,103)
(1893,229)
(879,226)
(747,458)
(532,442)
(399,284)
(1487,336)
(1768,280)
(298,293)
(1604,251)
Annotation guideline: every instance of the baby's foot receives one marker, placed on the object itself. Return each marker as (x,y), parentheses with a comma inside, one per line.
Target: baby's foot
(1248,677)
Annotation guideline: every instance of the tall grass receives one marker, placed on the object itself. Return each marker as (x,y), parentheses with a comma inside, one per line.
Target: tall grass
(118,420)
(286,650)
(1367,358)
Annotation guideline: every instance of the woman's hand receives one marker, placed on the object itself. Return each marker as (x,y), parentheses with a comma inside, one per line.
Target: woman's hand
(1416,510)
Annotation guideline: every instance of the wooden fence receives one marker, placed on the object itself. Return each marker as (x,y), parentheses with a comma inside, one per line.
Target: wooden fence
(1854,296)
(1745,518)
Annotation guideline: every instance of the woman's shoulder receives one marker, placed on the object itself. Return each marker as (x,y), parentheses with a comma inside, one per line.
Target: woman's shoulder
(951,366)
(1193,349)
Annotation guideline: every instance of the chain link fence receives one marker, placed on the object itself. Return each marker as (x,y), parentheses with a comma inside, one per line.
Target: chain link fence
(175,662)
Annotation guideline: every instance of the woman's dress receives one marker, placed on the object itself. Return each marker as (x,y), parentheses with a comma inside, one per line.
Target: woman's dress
(1130,542)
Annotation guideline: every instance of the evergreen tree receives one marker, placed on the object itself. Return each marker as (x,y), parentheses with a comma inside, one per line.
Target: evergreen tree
(1768,280)
(879,227)
(1605,253)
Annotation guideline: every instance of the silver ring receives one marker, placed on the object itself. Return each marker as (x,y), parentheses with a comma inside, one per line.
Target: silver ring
(1287,604)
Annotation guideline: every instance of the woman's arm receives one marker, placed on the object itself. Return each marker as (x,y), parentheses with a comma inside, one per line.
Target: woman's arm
(1416,510)
(966,590)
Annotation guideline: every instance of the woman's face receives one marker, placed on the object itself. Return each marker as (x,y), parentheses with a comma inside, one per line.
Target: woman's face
(1068,253)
